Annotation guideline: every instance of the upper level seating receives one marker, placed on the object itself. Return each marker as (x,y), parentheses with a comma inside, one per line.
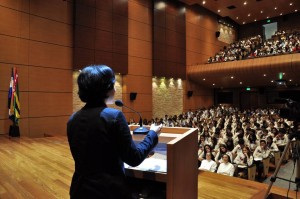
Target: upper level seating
(282,42)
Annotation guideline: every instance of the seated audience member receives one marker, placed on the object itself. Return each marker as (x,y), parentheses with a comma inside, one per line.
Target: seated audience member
(226,168)
(243,161)
(280,139)
(271,145)
(208,164)
(259,154)
(229,142)
(202,156)
(239,147)
(223,150)
(207,149)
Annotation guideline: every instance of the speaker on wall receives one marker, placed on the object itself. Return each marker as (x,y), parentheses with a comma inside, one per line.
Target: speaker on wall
(133,96)
(190,93)
(218,34)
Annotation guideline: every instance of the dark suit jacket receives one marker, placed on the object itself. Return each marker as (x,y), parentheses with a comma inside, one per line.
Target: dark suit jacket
(100,143)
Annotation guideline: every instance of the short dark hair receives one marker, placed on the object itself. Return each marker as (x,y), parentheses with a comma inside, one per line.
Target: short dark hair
(94,82)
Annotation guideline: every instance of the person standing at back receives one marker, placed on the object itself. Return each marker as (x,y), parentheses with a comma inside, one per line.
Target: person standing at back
(100,139)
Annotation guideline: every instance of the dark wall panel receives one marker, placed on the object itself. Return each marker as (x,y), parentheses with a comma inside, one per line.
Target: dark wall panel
(169,39)
(101,34)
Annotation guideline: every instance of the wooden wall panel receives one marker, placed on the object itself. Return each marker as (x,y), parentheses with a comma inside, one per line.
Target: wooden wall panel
(143,85)
(56,10)
(139,77)
(101,36)
(141,12)
(49,104)
(40,36)
(17,23)
(103,57)
(104,41)
(104,20)
(39,127)
(143,102)
(50,31)
(139,30)
(43,54)
(85,37)
(139,66)
(13,50)
(19,5)
(83,57)
(120,24)
(106,5)
(139,48)
(49,79)
(85,15)
(169,38)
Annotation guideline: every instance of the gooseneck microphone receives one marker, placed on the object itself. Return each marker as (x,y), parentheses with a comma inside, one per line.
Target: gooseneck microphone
(139,130)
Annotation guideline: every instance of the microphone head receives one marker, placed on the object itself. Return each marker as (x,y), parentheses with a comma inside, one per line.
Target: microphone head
(119,103)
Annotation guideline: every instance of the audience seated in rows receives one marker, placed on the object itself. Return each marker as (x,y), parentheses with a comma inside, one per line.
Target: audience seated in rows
(246,138)
(280,43)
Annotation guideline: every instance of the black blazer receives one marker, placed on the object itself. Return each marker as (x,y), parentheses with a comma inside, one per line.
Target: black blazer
(100,143)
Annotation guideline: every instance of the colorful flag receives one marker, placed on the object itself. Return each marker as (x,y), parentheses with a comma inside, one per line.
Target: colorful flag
(13,97)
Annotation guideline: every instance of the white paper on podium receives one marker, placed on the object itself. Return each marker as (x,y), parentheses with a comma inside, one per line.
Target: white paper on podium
(151,164)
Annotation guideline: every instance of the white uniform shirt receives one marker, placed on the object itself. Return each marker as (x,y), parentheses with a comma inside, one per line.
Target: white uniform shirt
(226,169)
(208,165)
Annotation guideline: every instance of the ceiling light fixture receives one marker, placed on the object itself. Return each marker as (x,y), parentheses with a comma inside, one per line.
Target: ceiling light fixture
(249,15)
(203,2)
(261,11)
(219,10)
(291,4)
(245,3)
(237,17)
(243,22)
(275,8)
(280,14)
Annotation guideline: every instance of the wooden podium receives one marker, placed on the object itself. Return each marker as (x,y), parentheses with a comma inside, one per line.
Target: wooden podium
(181,176)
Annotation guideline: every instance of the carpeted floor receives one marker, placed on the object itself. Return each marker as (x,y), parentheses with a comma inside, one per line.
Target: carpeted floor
(286,172)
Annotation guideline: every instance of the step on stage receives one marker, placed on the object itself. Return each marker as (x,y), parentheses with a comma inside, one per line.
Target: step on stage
(43,168)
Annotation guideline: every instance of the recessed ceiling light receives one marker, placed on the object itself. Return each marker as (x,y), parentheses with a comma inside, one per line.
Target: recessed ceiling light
(241,82)
(203,79)
(296,10)
(214,84)
(290,80)
(265,75)
(231,77)
(219,10)
(275,8)
(280,14)
(245,3)
(203,2)
(243,22)
(291,4)
(267,17)
(272,81)
(249,15)
(261,11)
(237,17)
(254,19)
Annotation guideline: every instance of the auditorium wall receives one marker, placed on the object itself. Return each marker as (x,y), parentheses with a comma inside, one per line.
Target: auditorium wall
(285,22)
(36,38)
(201,43)
(167,96)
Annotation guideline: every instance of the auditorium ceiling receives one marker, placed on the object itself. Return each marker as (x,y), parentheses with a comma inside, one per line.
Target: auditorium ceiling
(247,11)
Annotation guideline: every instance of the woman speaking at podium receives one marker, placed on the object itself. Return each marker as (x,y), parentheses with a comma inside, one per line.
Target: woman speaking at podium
(100,139)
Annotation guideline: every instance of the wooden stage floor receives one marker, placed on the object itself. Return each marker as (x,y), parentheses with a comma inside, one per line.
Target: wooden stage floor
(43,168)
